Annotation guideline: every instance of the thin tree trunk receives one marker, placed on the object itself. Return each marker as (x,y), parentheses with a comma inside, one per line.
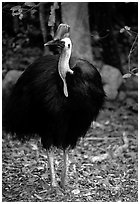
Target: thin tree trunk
(15,24)
(43,26)
(42,22)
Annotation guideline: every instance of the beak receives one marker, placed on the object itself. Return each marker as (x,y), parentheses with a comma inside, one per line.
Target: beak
(56,43)
(52,42)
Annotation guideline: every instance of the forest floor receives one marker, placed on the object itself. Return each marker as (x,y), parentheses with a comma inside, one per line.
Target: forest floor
(103,166)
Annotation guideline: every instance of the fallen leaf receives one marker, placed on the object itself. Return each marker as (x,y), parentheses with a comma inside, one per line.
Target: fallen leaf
(128,75)
(44,175)
(76,191)
(37,196)
(34,146)
(87,194)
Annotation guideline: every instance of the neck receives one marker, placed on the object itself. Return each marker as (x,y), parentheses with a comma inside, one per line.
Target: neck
(63,68)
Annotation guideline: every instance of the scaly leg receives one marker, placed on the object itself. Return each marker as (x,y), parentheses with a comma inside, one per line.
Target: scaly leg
(64,177)
(51,167)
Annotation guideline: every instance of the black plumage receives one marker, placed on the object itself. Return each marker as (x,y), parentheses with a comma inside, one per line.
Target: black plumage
(38,104)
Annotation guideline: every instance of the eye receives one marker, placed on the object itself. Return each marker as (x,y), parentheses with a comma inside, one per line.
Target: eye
(68,45)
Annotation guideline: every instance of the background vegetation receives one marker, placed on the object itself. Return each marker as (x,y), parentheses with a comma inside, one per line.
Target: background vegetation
(26,26)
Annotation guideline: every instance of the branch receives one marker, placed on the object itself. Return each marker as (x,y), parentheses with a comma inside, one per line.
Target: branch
(33,7)
(100,158)
(131,51)
(42,22)
(111,154)
(120,149)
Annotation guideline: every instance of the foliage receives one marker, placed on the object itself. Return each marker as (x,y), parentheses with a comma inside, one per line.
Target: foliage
(133,50)
(17,48)
(26,18)
(24,43)
(16,53)
(22,10)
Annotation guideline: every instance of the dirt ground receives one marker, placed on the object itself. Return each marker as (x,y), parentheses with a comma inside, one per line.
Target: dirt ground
(103,166)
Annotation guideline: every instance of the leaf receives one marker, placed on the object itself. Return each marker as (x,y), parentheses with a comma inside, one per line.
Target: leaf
(15,8)
(87,194)
(122,30)
(44,155)
(30,4)
(40,168)
(45,175)
(31,180)
(99,158)
(76,191)
(21,16)
(34,146)
(107,122)
(127,27)
(128,75)
(37,196)
(33,11)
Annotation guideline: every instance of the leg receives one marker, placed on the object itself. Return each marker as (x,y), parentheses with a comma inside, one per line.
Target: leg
(51,167)
(65,169)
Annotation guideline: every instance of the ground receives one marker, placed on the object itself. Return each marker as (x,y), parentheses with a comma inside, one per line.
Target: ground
(103,166)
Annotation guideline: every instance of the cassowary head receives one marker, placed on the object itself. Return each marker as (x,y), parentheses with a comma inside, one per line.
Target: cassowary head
(57,44)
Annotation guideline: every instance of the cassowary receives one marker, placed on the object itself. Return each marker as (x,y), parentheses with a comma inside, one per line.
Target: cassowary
(57,97)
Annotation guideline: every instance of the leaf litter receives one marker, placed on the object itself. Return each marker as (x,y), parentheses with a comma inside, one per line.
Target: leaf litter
(103,166)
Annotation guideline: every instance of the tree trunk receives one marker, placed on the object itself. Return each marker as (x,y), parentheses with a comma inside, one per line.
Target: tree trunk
(15,24)
(43,26)
(76,15)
